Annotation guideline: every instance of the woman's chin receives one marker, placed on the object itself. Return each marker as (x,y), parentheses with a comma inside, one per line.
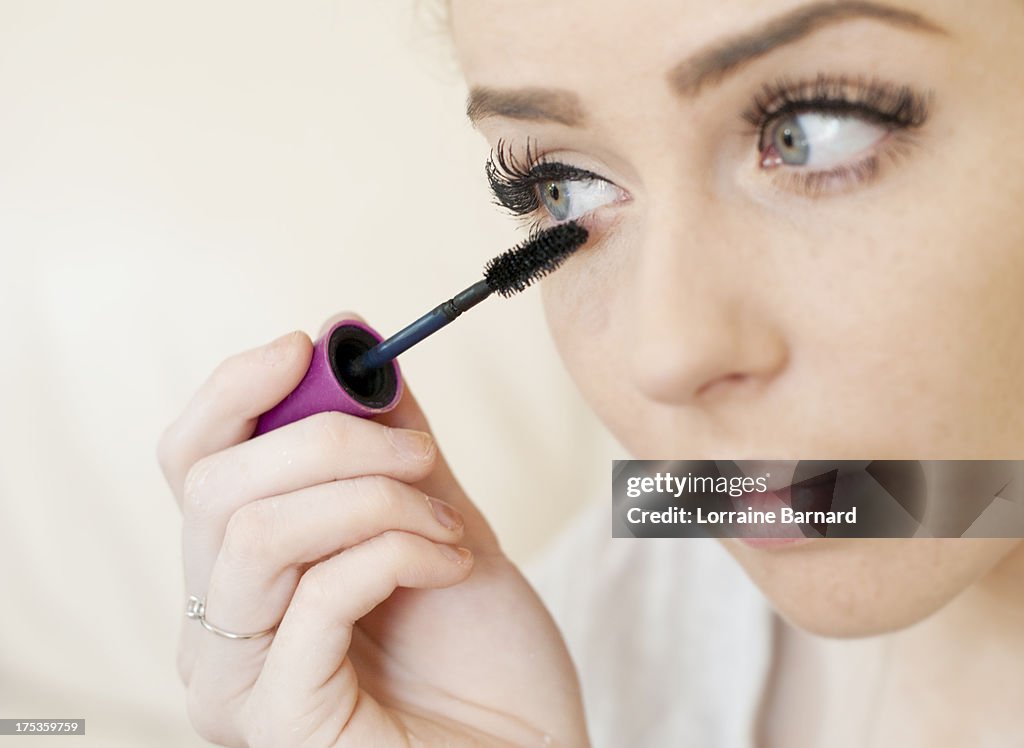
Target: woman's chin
(848,588)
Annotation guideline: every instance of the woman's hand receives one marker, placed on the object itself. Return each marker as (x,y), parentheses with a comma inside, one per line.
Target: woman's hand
(399,620)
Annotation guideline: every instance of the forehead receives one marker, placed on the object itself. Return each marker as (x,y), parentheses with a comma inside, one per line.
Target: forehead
(572,42)
(585,44)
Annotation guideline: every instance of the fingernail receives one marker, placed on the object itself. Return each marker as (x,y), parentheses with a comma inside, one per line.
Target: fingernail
(445,513)
(275,351)
(459,555)
(411,445)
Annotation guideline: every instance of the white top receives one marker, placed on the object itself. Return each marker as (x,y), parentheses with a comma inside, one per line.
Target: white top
(671,640)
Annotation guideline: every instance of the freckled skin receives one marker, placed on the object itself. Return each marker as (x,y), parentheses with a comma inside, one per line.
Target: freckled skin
(720,313)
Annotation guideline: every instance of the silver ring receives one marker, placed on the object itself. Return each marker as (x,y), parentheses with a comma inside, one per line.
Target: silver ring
(196,609)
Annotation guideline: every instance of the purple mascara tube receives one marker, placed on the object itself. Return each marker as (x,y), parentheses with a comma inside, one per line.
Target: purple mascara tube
(328,386)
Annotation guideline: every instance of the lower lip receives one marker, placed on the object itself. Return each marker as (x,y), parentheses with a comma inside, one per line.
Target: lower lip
(765,502)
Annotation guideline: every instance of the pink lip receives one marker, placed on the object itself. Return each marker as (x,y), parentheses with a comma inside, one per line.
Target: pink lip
(767,501)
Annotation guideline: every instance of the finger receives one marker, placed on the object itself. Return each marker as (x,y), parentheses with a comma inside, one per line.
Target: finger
(441,482)
(224,410)
(305,663)
(269,541)
(323,448)
(269,538)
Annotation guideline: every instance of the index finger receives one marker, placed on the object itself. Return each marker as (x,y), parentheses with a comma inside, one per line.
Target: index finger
(224,410)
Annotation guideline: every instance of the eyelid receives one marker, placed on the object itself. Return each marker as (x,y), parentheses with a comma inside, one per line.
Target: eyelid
(834,109)
(557,170)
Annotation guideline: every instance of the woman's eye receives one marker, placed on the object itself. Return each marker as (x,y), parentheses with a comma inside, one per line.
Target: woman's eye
(569,199)
(817,141)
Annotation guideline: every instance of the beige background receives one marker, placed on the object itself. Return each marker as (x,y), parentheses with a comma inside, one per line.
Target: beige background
(182,180)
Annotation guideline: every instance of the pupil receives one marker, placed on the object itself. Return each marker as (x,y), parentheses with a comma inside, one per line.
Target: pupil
(553,191)
(787,137)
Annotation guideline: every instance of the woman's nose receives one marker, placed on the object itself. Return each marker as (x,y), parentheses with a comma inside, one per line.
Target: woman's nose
(701,329)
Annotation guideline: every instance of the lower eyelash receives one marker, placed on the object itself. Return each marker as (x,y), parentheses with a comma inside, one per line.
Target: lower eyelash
(846,176)
(814,183)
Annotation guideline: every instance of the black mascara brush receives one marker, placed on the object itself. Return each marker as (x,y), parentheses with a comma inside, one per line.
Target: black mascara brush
(507,274)
(354,371)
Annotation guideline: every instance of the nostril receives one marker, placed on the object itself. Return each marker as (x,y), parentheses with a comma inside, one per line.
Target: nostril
(724,383)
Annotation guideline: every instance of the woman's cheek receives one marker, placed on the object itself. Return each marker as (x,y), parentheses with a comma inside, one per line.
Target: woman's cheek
(577,321)
(583,311)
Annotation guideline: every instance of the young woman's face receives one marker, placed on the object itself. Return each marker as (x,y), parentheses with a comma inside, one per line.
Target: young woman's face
(807,242)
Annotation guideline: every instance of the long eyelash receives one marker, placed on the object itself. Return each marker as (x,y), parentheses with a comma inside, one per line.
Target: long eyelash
(873,99)
(899,109)
(509,178)
(514,179)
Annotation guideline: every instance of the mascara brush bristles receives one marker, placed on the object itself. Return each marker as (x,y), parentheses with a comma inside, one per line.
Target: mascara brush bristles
(507,274)
(542,253)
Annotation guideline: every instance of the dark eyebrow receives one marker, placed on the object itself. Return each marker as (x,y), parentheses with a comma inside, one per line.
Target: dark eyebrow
(708,66)
(552,104)
(715,63)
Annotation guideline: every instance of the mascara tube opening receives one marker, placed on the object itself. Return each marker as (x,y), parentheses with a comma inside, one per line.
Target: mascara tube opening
(373,388)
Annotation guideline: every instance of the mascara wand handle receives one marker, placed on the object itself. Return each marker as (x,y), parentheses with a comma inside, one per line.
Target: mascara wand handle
(422,328)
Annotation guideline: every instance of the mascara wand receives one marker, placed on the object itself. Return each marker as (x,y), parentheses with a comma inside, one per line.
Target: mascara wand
(507,274)
(353,371)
